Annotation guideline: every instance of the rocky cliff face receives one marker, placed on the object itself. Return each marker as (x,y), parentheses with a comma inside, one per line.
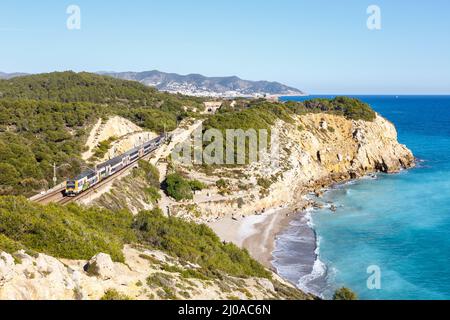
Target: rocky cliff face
(315,152)
(146,275)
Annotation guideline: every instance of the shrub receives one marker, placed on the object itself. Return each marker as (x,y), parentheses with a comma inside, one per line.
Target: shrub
(113,294)
(178,188)
(188,273)
(348,107)
(153,194)
(197,185)
(9,246)
(79,233)
(344,294)
(70,232)
(264,183)
(151,173)
(160,280)
(103,147)
(222,184)
(197,244)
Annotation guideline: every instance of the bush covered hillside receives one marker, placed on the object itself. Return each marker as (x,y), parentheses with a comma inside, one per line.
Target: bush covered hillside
(261,114)
(43,120)
(36,134)
(144,105)
(75,232)
(88,87)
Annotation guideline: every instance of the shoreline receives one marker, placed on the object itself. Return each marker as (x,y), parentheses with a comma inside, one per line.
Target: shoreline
(256,233)
(259,234)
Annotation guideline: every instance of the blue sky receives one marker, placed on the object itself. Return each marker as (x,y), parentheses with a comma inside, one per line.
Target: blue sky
(318,46)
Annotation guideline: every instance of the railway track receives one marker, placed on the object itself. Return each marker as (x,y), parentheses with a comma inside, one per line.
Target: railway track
(58,196)
(53,196)
(66,200)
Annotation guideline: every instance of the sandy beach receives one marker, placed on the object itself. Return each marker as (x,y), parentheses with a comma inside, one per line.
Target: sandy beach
(256,233)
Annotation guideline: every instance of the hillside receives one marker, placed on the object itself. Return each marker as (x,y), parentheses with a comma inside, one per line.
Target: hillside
(45,119)
(199,85)
(83,87)
(48,249)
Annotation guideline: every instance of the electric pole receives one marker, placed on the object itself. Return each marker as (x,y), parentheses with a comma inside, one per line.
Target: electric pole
(55,179)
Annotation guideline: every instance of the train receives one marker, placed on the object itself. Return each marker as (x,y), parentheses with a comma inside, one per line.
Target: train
(90,178)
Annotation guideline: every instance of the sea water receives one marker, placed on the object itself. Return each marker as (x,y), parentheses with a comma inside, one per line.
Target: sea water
(396,224)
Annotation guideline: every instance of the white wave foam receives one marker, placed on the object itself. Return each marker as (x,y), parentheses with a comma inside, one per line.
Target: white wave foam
(308,218)
(319,270)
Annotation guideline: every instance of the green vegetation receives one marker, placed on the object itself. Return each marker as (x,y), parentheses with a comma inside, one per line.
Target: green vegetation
(151,176)
(103,147)
(9,245)
(43,120)
(165,283)
(261,114)
(188,273)
(153,194)
(151,173)
(288,292)
(344,294)
(264,183)
(223,186)
(222,183)
(79,233)
(350,108)
(87,87)
(113,294)
(180,188)
(36,134)
(144,105)
(197,244)
(70,232)
(197,185)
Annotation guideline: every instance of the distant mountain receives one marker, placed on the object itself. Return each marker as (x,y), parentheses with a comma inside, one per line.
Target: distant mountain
(11,75)
(198,85)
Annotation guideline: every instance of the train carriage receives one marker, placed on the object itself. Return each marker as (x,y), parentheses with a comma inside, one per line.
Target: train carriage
(102,171)
(82,182)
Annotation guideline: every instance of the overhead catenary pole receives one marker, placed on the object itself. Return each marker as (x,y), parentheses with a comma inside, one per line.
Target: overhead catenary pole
(55,179)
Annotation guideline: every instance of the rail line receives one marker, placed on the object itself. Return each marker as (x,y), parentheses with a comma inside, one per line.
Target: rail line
(58,196)
(66,200)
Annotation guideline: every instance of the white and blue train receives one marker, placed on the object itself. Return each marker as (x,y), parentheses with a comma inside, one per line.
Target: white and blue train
(90,178)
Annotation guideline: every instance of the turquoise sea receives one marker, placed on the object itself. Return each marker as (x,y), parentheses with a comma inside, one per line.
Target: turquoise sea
(399,223)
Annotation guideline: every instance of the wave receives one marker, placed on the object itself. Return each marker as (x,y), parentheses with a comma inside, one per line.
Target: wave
(314,282)
(318,272)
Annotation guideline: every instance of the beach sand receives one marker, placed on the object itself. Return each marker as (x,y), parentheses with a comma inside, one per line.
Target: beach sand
(255,233)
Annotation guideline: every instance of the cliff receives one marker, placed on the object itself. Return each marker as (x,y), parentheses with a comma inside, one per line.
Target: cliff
(147,275)
(316,151)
